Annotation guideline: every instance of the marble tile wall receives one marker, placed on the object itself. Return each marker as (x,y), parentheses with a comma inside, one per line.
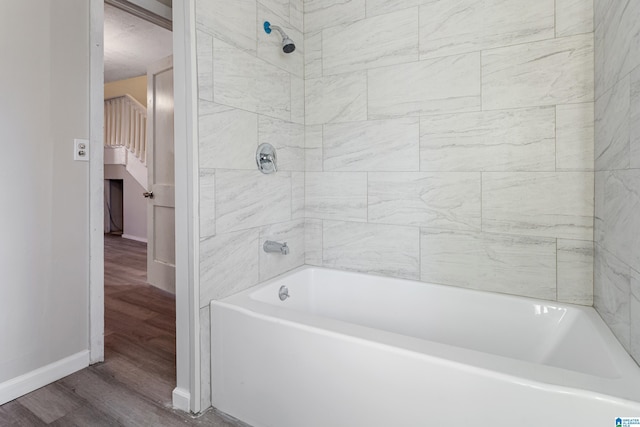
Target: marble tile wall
(617,182)
(249,92)
(453,142)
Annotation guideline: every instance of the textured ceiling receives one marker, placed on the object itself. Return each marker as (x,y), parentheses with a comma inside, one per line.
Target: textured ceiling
(131,44)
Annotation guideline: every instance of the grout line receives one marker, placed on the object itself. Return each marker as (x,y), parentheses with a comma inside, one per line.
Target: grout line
(481,202)
(555,19)
(556,269)
(481,84)
(555,138)
(367,175)
(322,242)
(322,53)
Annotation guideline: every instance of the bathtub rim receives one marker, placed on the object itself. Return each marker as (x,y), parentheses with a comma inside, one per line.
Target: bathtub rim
(623,389)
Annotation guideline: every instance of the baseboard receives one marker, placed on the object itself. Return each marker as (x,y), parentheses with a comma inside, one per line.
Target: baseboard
(26,383)
(136,238)
(181,399)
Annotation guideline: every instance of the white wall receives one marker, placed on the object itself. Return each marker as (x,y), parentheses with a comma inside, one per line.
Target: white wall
(134,204)
(617,223)
(44,248)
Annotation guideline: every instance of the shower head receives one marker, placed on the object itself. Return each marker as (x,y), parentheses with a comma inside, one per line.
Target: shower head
(288,45)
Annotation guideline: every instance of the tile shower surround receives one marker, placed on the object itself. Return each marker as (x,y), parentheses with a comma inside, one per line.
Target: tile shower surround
(450,142)
(617,164)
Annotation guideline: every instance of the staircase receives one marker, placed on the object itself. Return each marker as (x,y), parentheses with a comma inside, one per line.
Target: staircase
(125,136)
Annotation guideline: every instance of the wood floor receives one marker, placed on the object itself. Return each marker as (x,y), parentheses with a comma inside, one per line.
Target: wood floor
(133,386)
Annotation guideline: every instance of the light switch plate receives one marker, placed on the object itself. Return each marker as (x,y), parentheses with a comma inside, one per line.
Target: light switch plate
(81,150)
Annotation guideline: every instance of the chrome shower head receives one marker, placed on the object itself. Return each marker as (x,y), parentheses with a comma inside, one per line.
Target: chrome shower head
(288,45)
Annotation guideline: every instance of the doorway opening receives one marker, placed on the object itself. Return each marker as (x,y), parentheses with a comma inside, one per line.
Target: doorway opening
(139,259)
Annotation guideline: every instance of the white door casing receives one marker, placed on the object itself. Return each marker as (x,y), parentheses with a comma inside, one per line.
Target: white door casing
(161,269)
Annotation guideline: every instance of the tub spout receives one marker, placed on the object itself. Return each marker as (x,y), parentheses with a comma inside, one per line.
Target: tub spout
(271,246)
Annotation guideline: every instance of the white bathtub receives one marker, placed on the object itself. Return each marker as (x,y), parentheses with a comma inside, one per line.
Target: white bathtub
(349,349)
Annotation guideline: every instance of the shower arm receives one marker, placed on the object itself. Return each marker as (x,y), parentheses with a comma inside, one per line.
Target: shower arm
(278,29)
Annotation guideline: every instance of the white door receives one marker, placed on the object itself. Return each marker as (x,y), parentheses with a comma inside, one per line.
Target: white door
(161,253)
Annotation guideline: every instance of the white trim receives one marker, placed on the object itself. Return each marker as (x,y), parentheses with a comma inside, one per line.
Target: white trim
(187,213)
(150,10)
(96,182)
(154,6)
(26,383)
(136,238)
(181,399)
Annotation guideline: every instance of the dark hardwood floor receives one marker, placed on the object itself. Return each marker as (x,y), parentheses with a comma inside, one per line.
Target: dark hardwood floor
(133,386)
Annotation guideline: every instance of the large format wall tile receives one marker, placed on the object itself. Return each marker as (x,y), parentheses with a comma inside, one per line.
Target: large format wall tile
(490,262)
(228,264)
(373,42)
(207,203)
(634,118)
(280,7)
(598,209)
(319,14)
(233,22)
(438,200)
(372,248)
(573,17)
(246,199)
(336,195)
(546,204)
(575,137)
(296,14)
(272,264)
(620,216)
(611,293)
(297,100)
(379,7)
(575,271)
(204,55)
(557,71)
(297,195)
(617,111)
(441,85)
(452,27)
(313,148)
(612,127)
(288,140)
(243,81)
(313,241)
(634,309)
(340,98)
(375,145)
(618,33)
(522,139)
(313,55)
(228,139)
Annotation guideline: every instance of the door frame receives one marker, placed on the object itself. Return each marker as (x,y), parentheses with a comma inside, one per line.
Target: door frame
(186,395)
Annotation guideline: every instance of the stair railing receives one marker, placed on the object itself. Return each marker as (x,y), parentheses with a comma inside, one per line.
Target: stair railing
(125,125)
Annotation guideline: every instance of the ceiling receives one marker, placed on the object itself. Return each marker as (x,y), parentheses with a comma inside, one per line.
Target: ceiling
(131,44)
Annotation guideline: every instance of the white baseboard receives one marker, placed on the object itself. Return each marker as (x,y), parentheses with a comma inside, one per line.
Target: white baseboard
(26,383)
(181,399)
(136,238)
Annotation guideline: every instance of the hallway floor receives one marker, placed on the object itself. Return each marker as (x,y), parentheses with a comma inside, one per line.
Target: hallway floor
(133,386)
